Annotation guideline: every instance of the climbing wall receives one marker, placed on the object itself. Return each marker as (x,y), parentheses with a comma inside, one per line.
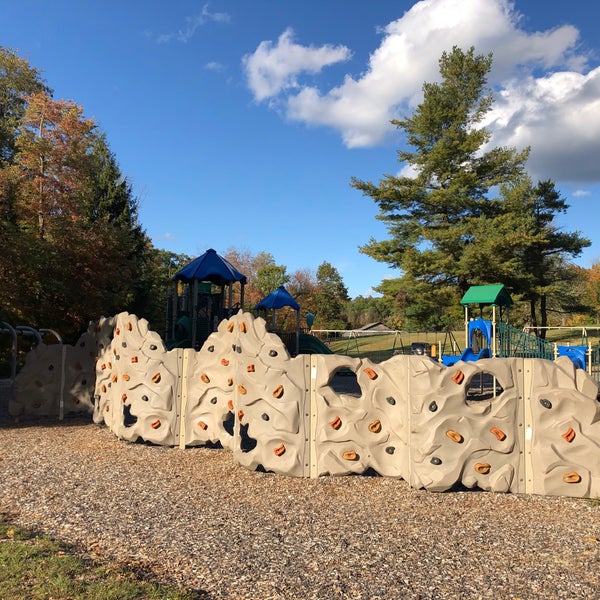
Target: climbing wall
(503,425)
(562,430)
(58,379)
(137,384)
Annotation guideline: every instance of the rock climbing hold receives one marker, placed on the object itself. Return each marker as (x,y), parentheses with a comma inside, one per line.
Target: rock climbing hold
(224,362)
(124,397)
(155,424)
(213,400)
(240,415)
(129,326)
(350,455)
(202,425)
(569,435)
(250,368)
(230,326)
(375,426)
(435,460)
(483,468)
(572,477)
(454,436)
(458,377)
(433,406)
(156,378)
(278,391)
(391,400)
(125,377)
(371,374)
(279,450)
(243,327)
(498,433)
(242,389)
(272,353)
(336,423)
(134,359)
(205,378)
(264,417)
(230,404)
(546,403)
(390,449)
(229,382)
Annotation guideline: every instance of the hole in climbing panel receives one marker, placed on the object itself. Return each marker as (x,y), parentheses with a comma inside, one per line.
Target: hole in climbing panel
(483,386)
(343,381)
(247,443)
(228,423)
(128,418)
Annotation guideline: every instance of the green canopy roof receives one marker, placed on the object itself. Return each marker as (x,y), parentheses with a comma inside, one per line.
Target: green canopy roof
(494,295)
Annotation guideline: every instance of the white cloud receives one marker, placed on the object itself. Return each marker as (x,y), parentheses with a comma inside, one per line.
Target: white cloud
(192,24)
(273,69)
(544,96)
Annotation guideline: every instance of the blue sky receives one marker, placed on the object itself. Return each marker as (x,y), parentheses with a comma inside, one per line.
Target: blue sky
(240,123)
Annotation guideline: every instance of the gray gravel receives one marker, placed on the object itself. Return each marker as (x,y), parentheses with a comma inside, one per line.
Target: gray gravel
(195,519)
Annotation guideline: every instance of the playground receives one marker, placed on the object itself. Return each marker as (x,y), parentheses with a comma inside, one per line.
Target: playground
(475,417)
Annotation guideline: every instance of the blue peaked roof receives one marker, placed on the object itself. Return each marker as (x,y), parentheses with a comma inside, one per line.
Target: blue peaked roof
(210,267)
(278,299)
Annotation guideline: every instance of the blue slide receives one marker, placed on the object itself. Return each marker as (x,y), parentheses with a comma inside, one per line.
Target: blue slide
(466,356)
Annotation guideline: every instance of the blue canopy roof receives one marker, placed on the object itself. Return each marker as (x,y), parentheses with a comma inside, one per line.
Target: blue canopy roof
(278,299)
(210,267)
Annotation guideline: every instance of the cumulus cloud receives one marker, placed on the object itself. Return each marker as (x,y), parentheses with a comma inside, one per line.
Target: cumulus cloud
(274,68)
(544,97)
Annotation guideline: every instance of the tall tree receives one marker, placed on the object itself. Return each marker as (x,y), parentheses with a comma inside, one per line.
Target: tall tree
(429,215)
(331,298)
(545,260)
(18,80)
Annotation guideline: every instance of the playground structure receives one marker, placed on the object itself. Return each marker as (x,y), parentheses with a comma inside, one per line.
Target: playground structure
(199,302)
(415,419)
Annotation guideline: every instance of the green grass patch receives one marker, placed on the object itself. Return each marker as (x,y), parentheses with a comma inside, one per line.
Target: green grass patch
(36,567)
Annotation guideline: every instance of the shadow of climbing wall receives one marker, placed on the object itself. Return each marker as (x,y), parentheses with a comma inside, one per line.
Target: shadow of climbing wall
(538,431)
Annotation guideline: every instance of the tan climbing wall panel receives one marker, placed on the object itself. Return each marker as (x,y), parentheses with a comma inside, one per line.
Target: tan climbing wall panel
(58,379)
(503,425)
(565,443)
(137,384)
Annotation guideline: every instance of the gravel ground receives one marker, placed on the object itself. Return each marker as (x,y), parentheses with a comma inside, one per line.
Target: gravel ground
(193,518)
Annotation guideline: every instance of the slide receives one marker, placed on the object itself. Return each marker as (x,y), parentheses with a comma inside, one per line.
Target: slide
(466,356)
(309,344)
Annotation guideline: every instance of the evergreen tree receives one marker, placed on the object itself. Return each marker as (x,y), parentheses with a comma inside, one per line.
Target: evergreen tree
(430,215)
(331,298)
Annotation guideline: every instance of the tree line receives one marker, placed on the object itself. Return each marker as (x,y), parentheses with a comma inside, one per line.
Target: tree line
(72,247)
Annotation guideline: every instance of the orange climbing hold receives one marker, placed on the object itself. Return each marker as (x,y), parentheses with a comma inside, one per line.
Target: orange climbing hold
(279,450)
(205,378)
(569,435)
(202,425)
(375,426)
(498,433)
(224,362)
(230,404)
(240,415)
(483,468)
(458,377)
(572,477)
(455,436)
(278,391)
(371,373)
(243,327)
(336,423)
(134,359)
(242,389)
(250,368)
(156,424)
(350,455)
(230,327)
(124,397)
(229,382)
(125,377)
(129,327)
(156,378)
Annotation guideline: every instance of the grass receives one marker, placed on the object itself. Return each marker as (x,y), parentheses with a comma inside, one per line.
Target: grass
(36,567)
